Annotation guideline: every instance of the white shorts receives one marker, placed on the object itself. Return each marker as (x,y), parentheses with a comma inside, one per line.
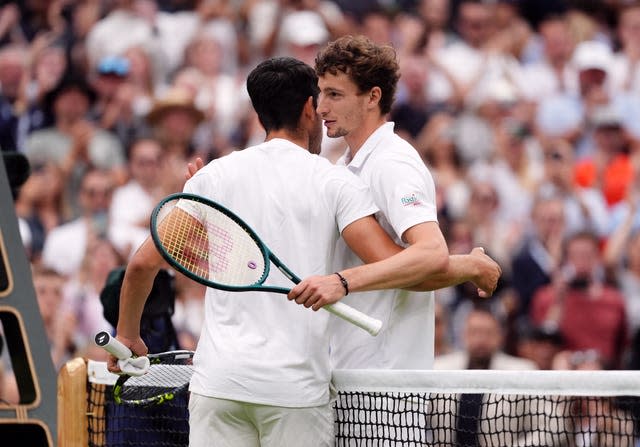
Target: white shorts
(230,423)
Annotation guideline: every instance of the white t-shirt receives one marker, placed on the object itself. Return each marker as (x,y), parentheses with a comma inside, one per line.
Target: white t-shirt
(255,346)
(404,190)
(130,206)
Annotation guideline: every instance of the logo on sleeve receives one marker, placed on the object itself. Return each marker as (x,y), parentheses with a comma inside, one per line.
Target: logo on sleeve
(410,200)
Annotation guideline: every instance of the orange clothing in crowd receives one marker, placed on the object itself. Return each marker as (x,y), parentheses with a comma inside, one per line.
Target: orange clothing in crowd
(616,177)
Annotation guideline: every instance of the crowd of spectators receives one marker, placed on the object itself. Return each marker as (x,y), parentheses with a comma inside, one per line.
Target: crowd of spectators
(526,113)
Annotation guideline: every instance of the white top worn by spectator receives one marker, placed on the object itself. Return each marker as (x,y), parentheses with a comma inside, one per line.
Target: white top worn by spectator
(405,192)
(285,360)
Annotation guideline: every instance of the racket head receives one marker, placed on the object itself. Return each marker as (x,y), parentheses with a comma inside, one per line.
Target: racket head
(168,376)
(208,243)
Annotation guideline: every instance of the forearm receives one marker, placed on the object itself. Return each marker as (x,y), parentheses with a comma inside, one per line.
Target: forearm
(404,269)
(460,269)
(136,287)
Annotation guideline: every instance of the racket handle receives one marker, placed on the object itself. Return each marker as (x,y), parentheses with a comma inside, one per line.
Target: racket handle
(113,346)
(348,313)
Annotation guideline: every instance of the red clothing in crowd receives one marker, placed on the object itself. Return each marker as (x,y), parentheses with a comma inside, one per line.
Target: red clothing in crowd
(588,323)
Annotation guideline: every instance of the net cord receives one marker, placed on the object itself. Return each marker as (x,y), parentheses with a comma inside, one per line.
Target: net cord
(553,383)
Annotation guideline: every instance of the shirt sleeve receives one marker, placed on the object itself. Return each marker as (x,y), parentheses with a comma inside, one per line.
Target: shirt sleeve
(404,190)
(350,198)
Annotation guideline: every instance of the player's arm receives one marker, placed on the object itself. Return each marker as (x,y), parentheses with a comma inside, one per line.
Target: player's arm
(393,267)
(388,266)
(476,267)
(136,287)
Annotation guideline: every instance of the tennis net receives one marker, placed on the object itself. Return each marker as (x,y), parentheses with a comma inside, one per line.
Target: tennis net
(399,408)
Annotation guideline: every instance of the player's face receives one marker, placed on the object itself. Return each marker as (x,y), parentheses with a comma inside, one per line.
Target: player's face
(340,105)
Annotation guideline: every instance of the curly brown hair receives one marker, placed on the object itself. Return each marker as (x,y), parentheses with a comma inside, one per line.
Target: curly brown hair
(367,64)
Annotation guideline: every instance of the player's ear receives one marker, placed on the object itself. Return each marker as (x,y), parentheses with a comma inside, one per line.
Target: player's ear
(375,95)
(309,110)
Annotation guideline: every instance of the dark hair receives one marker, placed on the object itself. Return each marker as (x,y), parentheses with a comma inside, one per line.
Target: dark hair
(367,64)
(69,82)
(279,87)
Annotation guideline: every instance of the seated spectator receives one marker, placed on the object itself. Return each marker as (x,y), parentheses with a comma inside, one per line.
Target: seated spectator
(540,252)
(40,205)
(482,346)
(173,120)
(81,311)
(588,312)
(149,175)
(585,208)
(73,143)
(66,246)
(436,145)
(608,166)
(13,66)
(49,285)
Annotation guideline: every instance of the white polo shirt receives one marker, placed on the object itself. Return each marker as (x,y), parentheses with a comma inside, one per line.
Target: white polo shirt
(255,346)
(404,190)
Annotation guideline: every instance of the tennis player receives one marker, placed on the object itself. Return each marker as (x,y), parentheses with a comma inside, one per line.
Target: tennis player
(358,80)
(262,367)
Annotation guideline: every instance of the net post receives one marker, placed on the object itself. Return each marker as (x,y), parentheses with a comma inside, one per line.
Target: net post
(72,403)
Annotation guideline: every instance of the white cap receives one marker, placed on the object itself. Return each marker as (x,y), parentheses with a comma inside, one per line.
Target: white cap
(304,28)
(592,54)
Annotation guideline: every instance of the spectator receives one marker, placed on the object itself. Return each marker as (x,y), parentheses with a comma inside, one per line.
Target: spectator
(74,143)
(218,94)
(127,23)
(553,74)
(45,70)
(132,203)
(436,145)
(12,71)
(608,166)
(49,285)
(173,120)
(516,168)
(589,313)
(570,115)
(625,70)
(66,246)
(498,236)
(41,206)
(540,252)
(81,311)
(622,258)
(585,208)
(482,346)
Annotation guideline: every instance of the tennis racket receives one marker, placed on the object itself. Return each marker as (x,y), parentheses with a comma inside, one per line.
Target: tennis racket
(211,245)
(165,376)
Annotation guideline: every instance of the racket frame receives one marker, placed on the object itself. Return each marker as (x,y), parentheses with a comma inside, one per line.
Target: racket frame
(116,348)
(341,310)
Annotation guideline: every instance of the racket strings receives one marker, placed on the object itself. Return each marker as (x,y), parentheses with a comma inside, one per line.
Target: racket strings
(211,245)
(187,242)
(159,380)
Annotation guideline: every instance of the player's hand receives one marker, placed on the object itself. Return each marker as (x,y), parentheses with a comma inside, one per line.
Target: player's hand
(317,291)
(137,346)
(488,272)
(194,167)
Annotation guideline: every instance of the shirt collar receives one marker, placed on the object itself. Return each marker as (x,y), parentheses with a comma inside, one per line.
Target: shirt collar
(369,145)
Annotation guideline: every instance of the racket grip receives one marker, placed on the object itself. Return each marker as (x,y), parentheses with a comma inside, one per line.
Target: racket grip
(353,316)
(113,346)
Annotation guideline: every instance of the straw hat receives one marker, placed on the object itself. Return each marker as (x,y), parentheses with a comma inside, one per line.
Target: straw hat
(174,99)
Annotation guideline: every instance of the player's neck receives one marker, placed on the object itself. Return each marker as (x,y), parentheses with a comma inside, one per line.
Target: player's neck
(299,138)
(357,138)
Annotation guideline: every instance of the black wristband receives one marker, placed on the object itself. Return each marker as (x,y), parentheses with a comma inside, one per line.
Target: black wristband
(344,282)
